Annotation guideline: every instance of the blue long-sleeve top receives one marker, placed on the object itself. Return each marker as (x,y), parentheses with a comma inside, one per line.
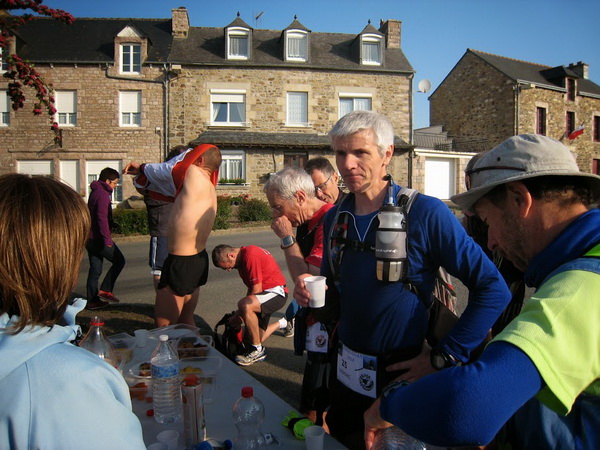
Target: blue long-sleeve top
(378,317)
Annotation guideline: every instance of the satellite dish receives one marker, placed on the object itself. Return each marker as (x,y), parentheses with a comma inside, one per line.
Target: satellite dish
(424,85)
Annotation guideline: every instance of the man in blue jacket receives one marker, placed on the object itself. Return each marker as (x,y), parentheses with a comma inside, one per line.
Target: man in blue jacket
(543,369)
(100,246)
(383,325)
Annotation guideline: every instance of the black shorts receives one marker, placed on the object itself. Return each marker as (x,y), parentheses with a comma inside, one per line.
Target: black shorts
(183,274)
(269,307)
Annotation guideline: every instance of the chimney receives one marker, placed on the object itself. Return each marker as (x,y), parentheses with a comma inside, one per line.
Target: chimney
(581,69)
(392,30)
(180,22)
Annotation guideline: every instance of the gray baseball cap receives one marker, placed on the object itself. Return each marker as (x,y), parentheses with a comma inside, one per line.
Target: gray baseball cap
(518,158)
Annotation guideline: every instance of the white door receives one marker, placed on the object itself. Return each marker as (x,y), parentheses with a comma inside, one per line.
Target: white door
(93,169)
(440,177)
(69,173)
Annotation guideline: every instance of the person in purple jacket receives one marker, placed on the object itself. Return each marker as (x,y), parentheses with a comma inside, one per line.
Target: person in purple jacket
(100,245)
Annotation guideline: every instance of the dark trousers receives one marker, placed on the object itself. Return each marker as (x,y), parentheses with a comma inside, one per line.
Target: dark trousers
(97,252)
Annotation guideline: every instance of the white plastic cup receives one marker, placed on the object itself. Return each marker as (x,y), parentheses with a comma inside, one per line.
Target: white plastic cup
(313,436)
(316,286)
(158,446)
(141,337)
(169,437)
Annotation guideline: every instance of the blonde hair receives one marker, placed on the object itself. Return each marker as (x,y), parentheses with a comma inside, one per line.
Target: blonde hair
(44,225)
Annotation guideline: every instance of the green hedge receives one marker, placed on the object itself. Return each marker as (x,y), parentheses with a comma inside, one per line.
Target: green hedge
(135,221)
(130,221)
(223,213)
(254,210)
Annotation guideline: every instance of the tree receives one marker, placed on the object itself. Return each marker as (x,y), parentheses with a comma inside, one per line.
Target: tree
(22,73)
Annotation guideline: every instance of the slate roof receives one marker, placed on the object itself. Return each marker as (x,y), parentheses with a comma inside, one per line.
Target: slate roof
(205,45)
(46,40)
(537,73)
(90,40)
(246,139)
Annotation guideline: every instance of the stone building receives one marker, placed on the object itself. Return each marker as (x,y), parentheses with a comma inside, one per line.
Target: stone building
(131,89)
(487,98)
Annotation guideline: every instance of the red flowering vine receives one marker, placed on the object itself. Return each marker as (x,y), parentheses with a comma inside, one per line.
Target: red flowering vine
(22,73)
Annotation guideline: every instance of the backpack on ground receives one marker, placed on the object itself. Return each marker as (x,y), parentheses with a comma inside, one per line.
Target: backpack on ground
(231,341)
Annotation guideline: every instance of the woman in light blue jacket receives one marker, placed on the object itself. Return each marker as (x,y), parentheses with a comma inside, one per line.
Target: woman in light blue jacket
(52,393)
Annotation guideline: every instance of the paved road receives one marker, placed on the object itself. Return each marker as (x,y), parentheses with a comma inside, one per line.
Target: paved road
(281,371)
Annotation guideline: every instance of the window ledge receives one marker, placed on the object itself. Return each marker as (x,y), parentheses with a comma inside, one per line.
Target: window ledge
(228,124)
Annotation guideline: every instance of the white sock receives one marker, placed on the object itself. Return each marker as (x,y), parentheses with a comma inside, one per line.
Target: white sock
(257,347)
(283,322)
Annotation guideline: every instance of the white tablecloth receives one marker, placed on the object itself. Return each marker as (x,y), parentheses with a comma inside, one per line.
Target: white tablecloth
(219,421)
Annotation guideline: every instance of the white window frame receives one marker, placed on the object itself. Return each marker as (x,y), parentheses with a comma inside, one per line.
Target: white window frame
(36,167)
(368,41)
(228,97)
(4,109)
(130,108)
(128,59)
(66,108)
(294,116)
(238,34)
(230,159)
(355,98)
(296,43)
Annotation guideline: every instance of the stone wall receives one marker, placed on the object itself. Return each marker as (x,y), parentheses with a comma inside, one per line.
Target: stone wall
(97,134)
(266,91)
(474,100)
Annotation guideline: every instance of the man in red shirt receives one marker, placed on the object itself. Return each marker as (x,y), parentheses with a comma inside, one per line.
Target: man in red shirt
(267,293)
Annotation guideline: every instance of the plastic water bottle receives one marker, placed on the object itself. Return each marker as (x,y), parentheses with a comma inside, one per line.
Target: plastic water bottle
(248,416)
(166,386)
(96,342)
(394,438)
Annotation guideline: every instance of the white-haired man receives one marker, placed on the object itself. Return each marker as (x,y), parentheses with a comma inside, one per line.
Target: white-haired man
(383,325)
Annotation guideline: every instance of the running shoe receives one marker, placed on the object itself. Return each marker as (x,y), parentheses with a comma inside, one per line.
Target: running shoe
(251,356)
(96,304)
(108,296)
(288,331)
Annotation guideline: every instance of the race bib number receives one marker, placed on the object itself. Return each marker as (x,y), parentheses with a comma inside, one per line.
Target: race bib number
(317,338)
(357,371)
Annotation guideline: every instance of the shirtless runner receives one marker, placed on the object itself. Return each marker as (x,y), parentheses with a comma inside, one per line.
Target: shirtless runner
(194,194)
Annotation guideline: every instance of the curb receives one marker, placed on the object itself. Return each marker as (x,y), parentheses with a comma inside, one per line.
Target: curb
(144,237)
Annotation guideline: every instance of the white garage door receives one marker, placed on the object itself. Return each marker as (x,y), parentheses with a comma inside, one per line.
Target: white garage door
(440,177)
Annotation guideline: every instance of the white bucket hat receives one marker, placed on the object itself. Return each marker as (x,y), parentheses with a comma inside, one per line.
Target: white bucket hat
(518,158)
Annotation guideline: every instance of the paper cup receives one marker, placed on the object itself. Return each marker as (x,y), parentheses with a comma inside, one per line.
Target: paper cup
(141,337)
(313,436)
(316,287)
(169,437)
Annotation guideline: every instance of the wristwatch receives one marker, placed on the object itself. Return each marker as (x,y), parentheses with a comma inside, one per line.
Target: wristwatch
(440,359)
(287,242)
(392,387)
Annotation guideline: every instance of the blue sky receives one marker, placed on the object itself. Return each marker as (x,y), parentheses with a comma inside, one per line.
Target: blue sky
(435,33)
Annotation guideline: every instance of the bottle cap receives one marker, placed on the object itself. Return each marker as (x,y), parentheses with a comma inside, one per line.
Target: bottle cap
(247,391)
(96,322)
(163,338)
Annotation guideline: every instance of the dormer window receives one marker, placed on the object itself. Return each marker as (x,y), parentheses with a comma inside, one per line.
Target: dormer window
(238,43)
(131,58)
(296,42)
(371,49)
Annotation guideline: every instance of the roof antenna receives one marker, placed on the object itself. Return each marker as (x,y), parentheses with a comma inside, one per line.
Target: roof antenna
(257,19)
